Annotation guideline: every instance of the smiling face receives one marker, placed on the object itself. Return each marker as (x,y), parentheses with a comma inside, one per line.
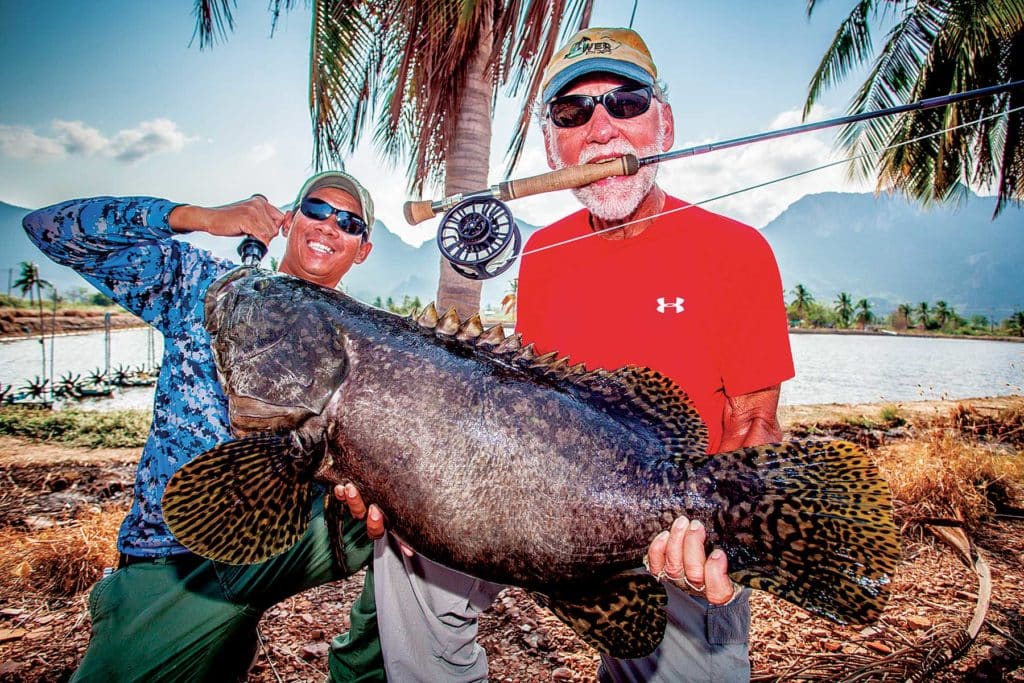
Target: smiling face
(318,251)
(605,137)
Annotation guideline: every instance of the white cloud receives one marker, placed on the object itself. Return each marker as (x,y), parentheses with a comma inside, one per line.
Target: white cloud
(727,181)
(262,152)
(19,142)
(148,138)
(76,138)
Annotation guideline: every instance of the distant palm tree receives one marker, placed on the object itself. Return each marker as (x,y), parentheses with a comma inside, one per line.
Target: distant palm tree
(508,302)
(864,314)
(922,312)
(1015,323)
(936,47)
(802,300)
(943,313)
(844,308)
(430,73)
(904,317)
(32,283)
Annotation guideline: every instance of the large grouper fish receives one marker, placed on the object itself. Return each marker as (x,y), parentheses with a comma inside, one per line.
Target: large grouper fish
(512,467)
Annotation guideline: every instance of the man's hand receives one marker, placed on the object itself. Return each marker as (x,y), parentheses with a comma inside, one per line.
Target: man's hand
(375,526)
(678,554)
(751,419)
(253,216)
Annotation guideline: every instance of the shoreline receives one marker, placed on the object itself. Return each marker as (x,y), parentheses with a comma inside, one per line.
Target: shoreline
(19,324)
(904,333)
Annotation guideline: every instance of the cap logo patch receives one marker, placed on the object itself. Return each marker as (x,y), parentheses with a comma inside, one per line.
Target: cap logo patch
(585,47)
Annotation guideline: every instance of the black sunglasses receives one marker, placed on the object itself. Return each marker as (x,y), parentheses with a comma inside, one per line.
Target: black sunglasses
(569,111)
(319,210)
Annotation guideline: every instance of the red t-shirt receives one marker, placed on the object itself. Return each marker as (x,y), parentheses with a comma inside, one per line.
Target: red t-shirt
(696,296)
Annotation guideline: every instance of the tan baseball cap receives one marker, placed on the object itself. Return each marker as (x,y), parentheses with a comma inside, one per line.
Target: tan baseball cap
(342,181)
(619,51)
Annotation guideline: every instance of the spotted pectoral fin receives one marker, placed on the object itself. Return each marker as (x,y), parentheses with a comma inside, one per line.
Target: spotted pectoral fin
(243,501)
(624,616)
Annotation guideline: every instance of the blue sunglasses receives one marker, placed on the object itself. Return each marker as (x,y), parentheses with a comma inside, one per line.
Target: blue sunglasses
(319,210)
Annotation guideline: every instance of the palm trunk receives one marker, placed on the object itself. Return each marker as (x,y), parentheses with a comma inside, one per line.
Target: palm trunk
(42,332)
(466,170)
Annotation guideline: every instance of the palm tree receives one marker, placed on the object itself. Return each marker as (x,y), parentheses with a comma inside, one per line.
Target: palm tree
(508,302)
(1015,323)
(902,317)
(864,314)
(802,300)
(844,308)
(943,313)
(429,73)
(32,283)
(936,47)
(922,312)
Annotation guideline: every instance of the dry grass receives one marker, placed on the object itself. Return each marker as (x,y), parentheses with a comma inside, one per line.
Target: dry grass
(60,561)
(944,475)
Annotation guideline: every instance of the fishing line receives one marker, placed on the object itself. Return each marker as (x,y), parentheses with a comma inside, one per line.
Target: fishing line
(766,183)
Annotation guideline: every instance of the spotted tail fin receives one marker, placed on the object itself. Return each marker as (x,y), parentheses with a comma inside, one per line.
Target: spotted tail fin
(810,522)
(243,501)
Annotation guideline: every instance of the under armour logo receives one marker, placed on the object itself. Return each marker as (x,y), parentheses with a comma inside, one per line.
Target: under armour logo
(663,304)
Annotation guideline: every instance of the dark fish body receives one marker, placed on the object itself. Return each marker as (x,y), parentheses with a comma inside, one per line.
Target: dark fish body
(512,467)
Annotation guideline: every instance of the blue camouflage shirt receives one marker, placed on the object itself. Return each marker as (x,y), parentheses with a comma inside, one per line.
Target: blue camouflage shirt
(125,248)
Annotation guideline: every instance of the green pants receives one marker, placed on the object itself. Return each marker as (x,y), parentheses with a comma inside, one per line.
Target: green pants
(187,619)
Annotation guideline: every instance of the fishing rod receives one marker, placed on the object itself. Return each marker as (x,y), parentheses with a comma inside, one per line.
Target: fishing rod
(480,239)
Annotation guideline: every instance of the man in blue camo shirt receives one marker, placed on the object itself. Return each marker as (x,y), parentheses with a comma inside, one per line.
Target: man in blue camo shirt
(166,614)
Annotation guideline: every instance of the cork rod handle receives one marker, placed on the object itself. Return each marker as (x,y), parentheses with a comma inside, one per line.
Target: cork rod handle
(562,179)
(568,178)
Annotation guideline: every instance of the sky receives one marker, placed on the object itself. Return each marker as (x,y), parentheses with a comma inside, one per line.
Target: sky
(115,98)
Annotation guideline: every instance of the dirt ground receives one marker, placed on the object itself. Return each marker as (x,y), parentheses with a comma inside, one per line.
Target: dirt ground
(68,501)
(25,322)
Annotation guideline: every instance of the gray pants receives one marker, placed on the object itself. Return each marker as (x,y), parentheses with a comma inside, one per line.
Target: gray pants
(703,643)
(427,616)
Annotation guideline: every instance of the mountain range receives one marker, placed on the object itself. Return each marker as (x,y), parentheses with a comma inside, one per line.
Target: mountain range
(885,249)
(890,250)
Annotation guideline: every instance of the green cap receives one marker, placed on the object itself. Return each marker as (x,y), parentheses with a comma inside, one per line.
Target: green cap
(342,181)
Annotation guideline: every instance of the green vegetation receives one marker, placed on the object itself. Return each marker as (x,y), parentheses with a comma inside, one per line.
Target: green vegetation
(805,312)
(932,49)
(890,415)
(118,429)
(409,305)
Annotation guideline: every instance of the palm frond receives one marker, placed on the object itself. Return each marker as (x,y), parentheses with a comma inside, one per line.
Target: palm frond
(214,21)
(850,48)
(938,47)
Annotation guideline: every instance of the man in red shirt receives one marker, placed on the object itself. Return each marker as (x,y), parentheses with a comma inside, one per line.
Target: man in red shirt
(639,277)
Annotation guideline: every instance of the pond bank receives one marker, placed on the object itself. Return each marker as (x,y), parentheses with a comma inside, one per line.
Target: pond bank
(21,323)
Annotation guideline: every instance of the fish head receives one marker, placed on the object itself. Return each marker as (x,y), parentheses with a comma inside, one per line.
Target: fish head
(279,347)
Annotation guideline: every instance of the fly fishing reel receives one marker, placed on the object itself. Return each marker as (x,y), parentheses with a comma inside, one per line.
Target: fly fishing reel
(479,238)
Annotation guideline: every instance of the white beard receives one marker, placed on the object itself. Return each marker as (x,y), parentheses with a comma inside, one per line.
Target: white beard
(620,198)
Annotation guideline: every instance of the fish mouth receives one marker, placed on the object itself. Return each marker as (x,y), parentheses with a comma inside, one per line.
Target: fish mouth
(248,415)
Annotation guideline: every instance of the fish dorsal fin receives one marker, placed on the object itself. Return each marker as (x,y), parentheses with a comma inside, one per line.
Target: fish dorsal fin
(631,392)
(428,317)
(635,392)
(449,324)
